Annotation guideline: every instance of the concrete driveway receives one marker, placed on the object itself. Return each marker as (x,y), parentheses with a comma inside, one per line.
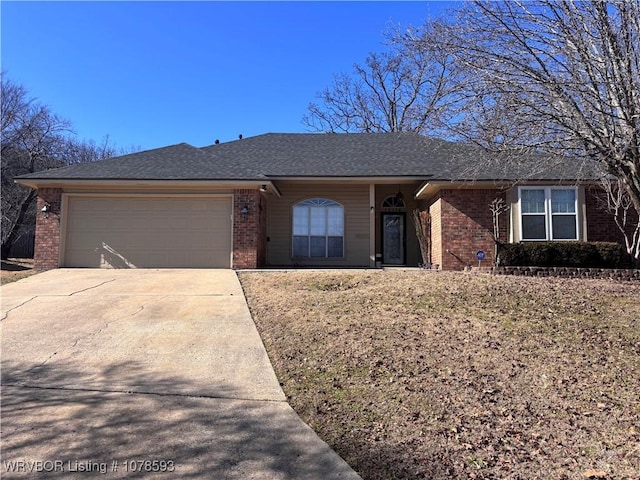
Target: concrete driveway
(145,373)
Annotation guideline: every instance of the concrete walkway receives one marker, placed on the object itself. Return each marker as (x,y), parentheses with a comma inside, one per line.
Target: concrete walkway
(145,373)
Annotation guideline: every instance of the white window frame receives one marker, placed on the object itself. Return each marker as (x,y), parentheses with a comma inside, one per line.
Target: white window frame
(316,203)
(392,202)
(548,214)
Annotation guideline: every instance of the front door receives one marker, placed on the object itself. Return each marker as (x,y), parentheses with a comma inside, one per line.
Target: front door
(393,232)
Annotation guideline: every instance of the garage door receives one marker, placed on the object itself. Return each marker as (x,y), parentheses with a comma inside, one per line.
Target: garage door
(148,232)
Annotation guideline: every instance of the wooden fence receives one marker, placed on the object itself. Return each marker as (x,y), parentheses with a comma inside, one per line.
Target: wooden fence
(23,246)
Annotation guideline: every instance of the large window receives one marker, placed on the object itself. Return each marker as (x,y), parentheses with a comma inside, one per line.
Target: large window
(318,229)
(548,213)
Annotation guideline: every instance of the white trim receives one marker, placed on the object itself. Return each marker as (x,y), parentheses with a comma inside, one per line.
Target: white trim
(548,213)
(389,197)
(128,183)
(326,235)
(146,195)
(62,228)
(372,225)
(431,187)
(232,248)
(354,180)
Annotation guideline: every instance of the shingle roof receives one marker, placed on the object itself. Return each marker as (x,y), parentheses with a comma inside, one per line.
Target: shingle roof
(276,155)
(175,162)
(334,155)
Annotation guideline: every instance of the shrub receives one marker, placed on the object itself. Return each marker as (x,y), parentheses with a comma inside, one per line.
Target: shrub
(564,254)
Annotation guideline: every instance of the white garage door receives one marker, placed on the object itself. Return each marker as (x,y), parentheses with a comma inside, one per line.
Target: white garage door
(148,232)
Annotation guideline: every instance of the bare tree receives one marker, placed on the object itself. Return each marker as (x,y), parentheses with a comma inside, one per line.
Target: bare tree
(420,222)
(498,206)
(33,139)
(555,76)
(76,151)
(401,90)
(617,202)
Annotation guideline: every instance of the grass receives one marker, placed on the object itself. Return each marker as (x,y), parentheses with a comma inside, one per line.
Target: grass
(15,269)
(412,374)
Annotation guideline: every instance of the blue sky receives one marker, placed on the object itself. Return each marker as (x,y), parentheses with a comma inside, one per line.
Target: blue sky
(151,74)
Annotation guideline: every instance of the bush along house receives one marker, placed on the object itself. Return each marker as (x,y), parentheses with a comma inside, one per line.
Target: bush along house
(307,200)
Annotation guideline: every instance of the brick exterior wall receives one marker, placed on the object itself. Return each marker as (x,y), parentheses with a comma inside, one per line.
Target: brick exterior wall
(461,224)
(601,226)
(435,219)
(47,242)
(262,232)
(249,233)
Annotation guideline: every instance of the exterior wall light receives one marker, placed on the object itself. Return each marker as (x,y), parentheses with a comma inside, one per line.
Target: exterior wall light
(244,212)
(45,210)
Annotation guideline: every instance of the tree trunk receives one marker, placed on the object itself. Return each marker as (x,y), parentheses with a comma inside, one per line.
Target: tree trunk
(13,234)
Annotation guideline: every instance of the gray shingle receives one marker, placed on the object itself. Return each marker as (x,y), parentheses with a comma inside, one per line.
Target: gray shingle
(176,162)
(276,155)
(384,155)
(328,155)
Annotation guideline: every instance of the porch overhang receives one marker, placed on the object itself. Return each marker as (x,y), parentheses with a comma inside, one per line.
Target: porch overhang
(430,188)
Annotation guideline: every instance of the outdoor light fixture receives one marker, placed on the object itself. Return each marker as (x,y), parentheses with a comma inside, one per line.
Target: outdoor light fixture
(399,195)
(45,210)
(263,188)
(245,211)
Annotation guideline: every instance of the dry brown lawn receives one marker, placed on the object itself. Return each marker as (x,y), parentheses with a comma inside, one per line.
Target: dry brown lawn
(15,269)
(414,374)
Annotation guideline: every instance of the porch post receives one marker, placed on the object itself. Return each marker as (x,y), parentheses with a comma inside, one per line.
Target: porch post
(372,225)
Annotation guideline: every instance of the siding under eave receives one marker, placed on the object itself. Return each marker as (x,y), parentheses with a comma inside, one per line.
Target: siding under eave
(354,199)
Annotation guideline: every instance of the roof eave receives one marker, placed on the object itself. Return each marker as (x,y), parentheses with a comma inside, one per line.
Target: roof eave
(351,179)
(431,187)
(114,182)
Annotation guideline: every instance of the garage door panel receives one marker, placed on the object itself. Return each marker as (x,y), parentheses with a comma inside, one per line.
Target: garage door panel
(148,232)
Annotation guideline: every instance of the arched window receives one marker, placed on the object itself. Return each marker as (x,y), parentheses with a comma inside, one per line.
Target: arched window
(318,229)
(394,201)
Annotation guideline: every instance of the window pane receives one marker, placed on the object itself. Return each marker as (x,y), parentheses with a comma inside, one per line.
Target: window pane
(335,221)
(318,246)
(393,202)
(533,227)
(300,220)
(335,247)
(318,228)
(564,227)
(318,202)
(532,201)
(563,201)
(300,246)
(318,221)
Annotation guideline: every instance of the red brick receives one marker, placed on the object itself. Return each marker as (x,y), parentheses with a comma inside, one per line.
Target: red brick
(47,241)
(461,224)
(601,226)
(249,233)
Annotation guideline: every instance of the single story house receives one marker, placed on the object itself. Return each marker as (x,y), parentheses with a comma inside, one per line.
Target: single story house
(305,200)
